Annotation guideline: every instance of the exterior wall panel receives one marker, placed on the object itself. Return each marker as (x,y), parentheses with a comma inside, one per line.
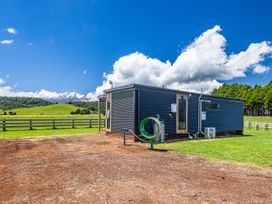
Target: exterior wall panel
(229,116)
(152,102)
(123,110)
(193,113)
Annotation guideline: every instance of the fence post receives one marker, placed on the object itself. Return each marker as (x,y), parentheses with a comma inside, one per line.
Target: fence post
(90,123)
(30,124)
(266,126)
(4,124)
(257,127)
(73,123)
(54,125)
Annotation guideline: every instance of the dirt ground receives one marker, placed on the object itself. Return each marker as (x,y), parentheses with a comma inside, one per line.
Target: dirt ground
(99,169)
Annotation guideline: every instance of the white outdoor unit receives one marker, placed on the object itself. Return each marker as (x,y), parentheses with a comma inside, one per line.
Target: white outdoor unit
(210,132)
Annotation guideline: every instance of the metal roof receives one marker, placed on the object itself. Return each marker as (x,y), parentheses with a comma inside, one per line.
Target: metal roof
(131,86)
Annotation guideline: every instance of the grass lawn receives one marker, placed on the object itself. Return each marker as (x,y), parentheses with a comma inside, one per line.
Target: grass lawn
(255,147)
(55,109)
(49,111)
(258,119)
(16,134)
(49,116)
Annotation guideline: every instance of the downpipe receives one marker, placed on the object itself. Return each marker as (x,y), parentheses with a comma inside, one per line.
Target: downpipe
(199,113)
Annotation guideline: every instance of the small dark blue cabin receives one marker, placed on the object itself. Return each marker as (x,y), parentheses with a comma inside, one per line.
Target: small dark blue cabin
(182,112)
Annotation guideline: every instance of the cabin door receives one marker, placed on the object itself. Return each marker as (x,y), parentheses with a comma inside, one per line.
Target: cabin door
(182,113)
(108,111)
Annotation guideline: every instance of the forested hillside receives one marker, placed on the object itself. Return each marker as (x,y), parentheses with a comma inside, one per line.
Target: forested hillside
(8,103)
(91,106)
(258,99)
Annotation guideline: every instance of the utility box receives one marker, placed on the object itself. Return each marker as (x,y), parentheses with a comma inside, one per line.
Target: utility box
(162,136)
(203,115)
(210,132)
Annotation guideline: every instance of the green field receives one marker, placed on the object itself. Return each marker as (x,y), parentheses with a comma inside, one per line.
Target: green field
(49,111)
(265,119)
(55,109)
(16,134)
(255,147)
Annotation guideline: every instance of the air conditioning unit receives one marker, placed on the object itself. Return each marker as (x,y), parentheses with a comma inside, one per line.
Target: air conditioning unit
(210,132)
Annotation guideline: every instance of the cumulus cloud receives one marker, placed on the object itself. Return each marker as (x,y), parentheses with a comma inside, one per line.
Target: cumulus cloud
(29,44)
(12,31)
(6,42)
(2,81)
(202,64)
(260,69)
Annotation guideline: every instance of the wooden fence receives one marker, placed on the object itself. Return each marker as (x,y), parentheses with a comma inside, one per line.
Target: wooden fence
(258,125)
(13,123)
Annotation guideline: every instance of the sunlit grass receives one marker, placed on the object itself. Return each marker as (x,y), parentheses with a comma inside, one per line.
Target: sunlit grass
(254,147)
(265,119)
(16,134)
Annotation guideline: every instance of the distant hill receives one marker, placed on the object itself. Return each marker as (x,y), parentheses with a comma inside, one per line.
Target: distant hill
(55,109)
(8,103)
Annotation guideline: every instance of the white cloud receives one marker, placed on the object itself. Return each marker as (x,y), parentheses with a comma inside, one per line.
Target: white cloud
(84,72)
(260,69)
(45,94)
(2,81)
(6,42)
(11,31)
(29,44)
(200,65)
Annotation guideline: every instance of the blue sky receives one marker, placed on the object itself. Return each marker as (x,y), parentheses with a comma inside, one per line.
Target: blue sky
(63,45)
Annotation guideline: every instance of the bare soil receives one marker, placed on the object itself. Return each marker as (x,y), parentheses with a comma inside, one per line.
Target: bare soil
(99,169)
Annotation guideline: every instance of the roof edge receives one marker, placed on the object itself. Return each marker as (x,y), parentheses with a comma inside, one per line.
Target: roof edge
(130,86)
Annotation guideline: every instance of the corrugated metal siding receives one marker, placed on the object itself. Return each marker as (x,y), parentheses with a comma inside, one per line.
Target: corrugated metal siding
(193,113)
(229,117)
(123,109)
(152,102)
(159,102)
(149,102)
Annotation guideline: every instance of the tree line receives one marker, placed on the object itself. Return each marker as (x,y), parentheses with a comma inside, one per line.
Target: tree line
(258,98)
(87,107)
(8,103)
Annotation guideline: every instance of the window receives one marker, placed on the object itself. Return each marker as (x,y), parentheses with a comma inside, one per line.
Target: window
(211,106)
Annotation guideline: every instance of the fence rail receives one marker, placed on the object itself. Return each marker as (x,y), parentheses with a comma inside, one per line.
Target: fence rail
(258,125)
(33,123)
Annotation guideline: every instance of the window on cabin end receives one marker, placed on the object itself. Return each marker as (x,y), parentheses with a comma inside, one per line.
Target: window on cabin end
(211,106)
